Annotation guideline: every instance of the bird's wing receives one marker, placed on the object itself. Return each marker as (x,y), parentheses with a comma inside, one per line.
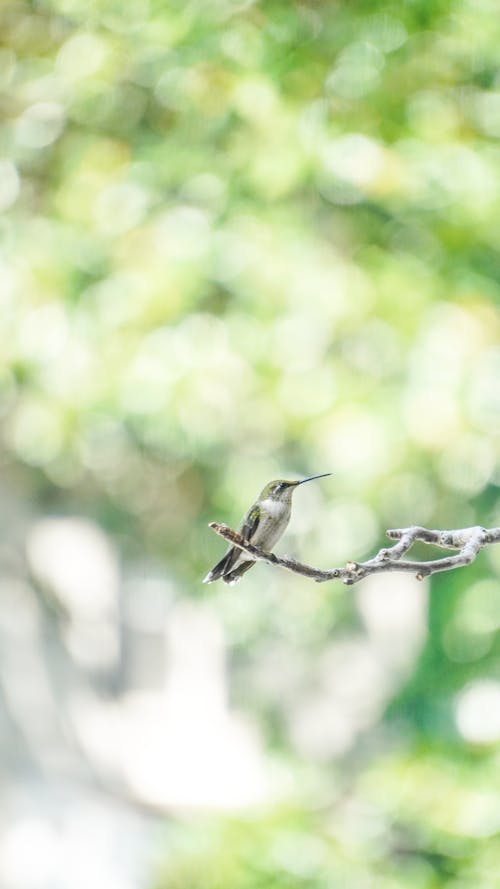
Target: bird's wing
(250,523)
(235,554)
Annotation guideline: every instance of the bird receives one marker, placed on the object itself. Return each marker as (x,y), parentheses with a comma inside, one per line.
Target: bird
(263,525)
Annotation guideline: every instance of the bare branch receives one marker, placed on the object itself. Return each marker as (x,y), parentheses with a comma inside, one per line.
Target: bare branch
(468,542)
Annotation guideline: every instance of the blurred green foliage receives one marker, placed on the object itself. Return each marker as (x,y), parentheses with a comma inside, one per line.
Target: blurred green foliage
(242,240)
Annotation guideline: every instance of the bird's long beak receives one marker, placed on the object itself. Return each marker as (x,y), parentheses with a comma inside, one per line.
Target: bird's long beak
(312,477)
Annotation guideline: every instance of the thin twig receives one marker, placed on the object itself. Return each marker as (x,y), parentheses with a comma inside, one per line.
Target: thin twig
(467,540)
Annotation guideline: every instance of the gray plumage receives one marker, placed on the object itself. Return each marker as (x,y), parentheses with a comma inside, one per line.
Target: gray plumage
(263,525)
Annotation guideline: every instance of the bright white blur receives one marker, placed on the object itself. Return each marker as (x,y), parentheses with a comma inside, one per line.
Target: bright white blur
(119,713)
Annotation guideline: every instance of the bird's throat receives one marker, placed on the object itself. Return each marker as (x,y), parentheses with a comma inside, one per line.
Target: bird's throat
(273,508)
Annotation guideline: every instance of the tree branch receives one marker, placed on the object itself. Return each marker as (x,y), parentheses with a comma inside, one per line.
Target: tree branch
(467,540)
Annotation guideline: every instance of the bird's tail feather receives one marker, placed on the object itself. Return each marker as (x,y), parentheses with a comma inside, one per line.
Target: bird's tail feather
(232,577)
(225,565)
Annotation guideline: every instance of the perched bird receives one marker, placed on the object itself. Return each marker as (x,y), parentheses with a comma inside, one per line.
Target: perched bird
(262,526)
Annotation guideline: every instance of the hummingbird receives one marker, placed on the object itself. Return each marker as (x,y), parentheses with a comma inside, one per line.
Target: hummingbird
(262,526)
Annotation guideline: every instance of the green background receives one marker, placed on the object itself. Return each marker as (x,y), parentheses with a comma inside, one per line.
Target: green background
(240,241)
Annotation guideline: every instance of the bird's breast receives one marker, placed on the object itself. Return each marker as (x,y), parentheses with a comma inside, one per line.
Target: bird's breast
(274,517)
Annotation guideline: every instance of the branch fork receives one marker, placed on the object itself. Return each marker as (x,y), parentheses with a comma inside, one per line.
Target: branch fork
(468,542)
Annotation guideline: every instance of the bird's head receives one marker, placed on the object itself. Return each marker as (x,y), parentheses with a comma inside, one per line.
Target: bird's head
(282,489)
